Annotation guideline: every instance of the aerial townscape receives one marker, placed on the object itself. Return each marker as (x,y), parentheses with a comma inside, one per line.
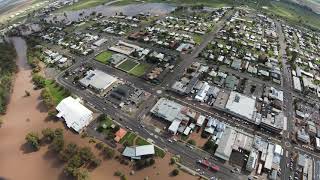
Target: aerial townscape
(160,89)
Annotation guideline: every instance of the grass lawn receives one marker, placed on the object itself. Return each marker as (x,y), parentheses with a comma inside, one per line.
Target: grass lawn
(104,57)
(106,123)
(129,138)
(57,92)
(197,38)
(139,70)
(127,65)
(159,152)
(140,142)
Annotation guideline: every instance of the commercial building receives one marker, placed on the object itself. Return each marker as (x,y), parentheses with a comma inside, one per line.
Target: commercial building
(139,151)
(100,42)
(296,84)
(269,157)
(124,48)
(174,113)
(303,136)
(241,105)
(275,123)
(98,80)
(318,144)
(224,149)
(74,113)
(252,161)
(202,93)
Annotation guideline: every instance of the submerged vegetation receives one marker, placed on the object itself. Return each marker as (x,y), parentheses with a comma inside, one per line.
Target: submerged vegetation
(7,70)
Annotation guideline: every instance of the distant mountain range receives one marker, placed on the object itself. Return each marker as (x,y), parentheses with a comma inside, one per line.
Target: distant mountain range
(312,4)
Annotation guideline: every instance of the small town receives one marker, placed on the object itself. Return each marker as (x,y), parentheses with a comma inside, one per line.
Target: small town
(212,93)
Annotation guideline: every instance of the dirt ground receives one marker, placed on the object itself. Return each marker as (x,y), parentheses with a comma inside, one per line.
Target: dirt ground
(26,114)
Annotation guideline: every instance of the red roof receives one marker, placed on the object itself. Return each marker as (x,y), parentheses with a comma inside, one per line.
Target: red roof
(120,134)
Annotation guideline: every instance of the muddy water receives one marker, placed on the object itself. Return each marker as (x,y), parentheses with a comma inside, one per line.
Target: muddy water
(26,114)
(106,10)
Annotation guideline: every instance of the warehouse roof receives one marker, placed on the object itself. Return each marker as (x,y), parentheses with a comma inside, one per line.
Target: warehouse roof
(97,79)
(224,149)
(137,152)
(242,105)
(167,109)
(74,113)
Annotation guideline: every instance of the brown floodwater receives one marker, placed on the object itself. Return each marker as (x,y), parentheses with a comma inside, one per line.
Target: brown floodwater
(26,114)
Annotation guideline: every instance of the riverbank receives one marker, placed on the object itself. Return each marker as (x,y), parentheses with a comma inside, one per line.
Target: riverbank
(27,114)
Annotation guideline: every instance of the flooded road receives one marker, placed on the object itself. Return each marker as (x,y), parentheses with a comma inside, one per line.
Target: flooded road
(107,11)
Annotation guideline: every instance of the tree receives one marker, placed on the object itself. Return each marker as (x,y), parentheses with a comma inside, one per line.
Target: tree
(192,142)
(117,173)
(108,152)
(57,143)
(27,93)
(1,122)
(70,150)
(76,161)
(58,132)
(152,161)
(209,146)
(263,58)
(38,81)
(99,145)
(175,172)
(82,174)
(86,154)
(34,140)
(69,170)
(95,162)
(48,134)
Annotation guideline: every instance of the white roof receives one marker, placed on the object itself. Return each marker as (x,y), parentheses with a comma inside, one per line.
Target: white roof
(296,83)
(98,80)
(137,152)
(145,150)
(278,149)
(202,92)
(269,157)
(74,113)
(317,143)
(100,42)
(200,120)
(225,146)
(168,110)
(187,131)
(174,126)
(242,105)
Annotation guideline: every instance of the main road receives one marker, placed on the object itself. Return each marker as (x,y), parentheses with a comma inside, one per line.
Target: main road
(287,103)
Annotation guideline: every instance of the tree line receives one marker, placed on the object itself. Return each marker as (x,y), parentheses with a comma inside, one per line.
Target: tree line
(7,69)
(78,159)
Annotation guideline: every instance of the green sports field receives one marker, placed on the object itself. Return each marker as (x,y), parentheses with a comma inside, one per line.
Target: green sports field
(139,70)
(104,57)
(127,65)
